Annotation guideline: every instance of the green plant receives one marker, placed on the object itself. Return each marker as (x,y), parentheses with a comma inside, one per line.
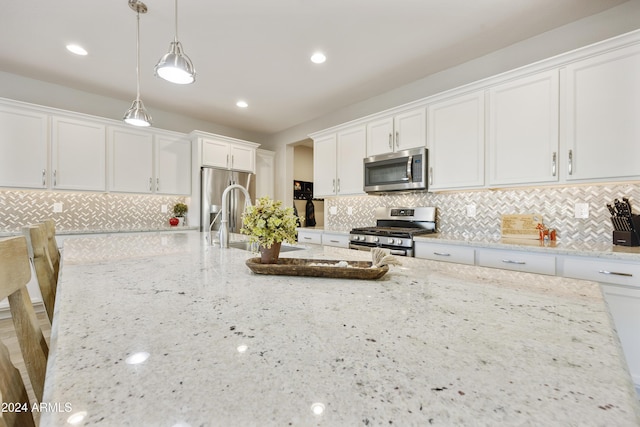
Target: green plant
(267,222)
(179,209)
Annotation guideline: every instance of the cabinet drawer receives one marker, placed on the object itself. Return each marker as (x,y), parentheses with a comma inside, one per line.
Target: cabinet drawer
(604,271)
(309,237)
(338,240)
(448,253)
(517,261)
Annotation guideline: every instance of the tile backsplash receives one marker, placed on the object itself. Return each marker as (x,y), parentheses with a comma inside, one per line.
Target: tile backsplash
(84,211)
(554,204)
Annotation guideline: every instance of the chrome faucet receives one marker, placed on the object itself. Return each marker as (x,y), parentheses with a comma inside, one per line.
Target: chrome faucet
(224,227)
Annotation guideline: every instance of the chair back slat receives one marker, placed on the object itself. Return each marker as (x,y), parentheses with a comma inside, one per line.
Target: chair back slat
(13,391)
(36,236)
(15,273)
(54,252)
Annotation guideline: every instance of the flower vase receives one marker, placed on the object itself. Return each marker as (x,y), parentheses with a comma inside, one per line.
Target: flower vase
(270,255)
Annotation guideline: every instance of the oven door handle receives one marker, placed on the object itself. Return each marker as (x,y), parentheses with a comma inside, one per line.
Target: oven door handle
(409,171)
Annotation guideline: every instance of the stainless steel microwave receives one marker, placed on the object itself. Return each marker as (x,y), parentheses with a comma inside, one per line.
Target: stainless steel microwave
(400,171)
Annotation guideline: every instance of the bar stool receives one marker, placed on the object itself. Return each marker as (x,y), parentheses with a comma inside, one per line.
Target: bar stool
(54,252)
(15,273)
(37,244)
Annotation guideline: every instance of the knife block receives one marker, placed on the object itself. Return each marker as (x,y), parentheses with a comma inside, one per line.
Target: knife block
(628,238)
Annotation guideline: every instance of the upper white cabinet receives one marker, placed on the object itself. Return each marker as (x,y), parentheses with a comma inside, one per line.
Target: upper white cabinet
(603,115)
(78,153)
(399,132)
(456,142)
(523,130)
(229,155)
(265,173)
(337,162)
(130,160)
(172,165)
(23,148)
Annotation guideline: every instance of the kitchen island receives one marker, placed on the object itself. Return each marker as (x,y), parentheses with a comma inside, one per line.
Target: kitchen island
(427,344)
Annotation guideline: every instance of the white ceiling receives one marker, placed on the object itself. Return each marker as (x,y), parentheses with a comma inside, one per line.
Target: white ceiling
(258,50)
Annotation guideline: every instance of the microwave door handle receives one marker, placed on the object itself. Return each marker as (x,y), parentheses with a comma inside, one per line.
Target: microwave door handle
(409,174)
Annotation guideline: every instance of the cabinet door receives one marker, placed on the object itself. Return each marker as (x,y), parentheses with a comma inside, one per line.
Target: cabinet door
(324,166)
(380,136)
(265,173)
(410,130)
(242,158)
(456,142)
(603,116)
(351,150)
(23,148)
(624,308)
(78,152)
(523,130)
(172,165)
(215,153)
(131,160)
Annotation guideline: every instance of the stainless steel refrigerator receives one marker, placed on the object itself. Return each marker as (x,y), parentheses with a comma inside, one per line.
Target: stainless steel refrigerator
(213,182)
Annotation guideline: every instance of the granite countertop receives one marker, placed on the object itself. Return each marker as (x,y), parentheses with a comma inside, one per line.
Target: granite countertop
(427,344)
(62,232)
(592,249)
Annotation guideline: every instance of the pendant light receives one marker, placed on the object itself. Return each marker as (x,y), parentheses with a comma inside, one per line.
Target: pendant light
(137,115)
(175,66)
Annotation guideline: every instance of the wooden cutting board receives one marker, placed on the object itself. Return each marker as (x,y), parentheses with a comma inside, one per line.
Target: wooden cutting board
(521,226)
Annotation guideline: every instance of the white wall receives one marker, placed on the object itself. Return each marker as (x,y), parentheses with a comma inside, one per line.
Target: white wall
(610,23)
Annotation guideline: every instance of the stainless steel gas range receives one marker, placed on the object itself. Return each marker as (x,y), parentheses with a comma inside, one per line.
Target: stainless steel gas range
(394,230)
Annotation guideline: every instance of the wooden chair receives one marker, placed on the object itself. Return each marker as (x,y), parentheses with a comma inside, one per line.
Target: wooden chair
(38,246)
(15,273)
(13,392)
(54,252)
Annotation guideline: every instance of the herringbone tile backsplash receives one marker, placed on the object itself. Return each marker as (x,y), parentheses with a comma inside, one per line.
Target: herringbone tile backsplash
(555,204)
(84,211)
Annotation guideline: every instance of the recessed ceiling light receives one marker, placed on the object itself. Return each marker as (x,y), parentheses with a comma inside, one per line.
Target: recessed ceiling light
(78,50)
(242,104)
(318,58)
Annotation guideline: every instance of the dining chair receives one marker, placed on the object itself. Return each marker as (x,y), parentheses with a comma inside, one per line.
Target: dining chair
(13,394)
(37,244)
(54,251)
(15,273)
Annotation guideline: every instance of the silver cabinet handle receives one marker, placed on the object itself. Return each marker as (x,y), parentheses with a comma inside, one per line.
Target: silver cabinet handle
(150,184)
(306,238)
(613,273)
(338,185)
(44,177)
(397,139)
(390,139)
(334,185)
(232,161)
(441,254)
(509,261)
(334,241)
(553,164)
(431,175)
(157,184)
(570,162)
(227,160)
(55,178)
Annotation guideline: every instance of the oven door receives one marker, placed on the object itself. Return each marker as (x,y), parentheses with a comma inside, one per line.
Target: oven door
(400,171)
(393,250)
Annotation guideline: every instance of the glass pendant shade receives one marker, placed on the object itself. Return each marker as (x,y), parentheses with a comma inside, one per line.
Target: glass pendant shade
(175,66)
(137,115)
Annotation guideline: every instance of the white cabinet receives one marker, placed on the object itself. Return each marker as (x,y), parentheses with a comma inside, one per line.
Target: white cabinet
(130,160)
(78,153)
(456,142)
(172,165)
(601,270)
(517,261)
(602,116)
(337,162)
(227,155)
(265,173)
(339,240)
(624,307)
(399,132)
(23,148)
(443,252)
(310,236)
(523,130)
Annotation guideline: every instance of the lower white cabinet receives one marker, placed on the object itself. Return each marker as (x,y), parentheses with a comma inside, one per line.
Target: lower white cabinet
(335,239)
(601,270)
(624,307)
(442,252)
(310,236)
(517,261)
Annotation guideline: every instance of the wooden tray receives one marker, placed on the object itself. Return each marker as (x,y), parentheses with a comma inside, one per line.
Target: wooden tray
(301,267)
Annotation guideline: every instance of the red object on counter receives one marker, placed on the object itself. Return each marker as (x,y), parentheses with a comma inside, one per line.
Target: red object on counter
(173,222)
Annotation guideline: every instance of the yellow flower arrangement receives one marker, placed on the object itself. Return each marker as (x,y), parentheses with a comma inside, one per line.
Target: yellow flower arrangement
(267,222)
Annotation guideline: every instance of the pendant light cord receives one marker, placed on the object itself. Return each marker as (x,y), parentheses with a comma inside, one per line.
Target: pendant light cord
(176,15)
(138,57)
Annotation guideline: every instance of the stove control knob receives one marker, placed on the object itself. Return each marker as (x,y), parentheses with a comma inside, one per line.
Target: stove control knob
(391,241)
(375,239)
(399,242)
(356,238)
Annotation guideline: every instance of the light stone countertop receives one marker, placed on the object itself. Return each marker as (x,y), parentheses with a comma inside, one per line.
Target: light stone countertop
(428,344)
